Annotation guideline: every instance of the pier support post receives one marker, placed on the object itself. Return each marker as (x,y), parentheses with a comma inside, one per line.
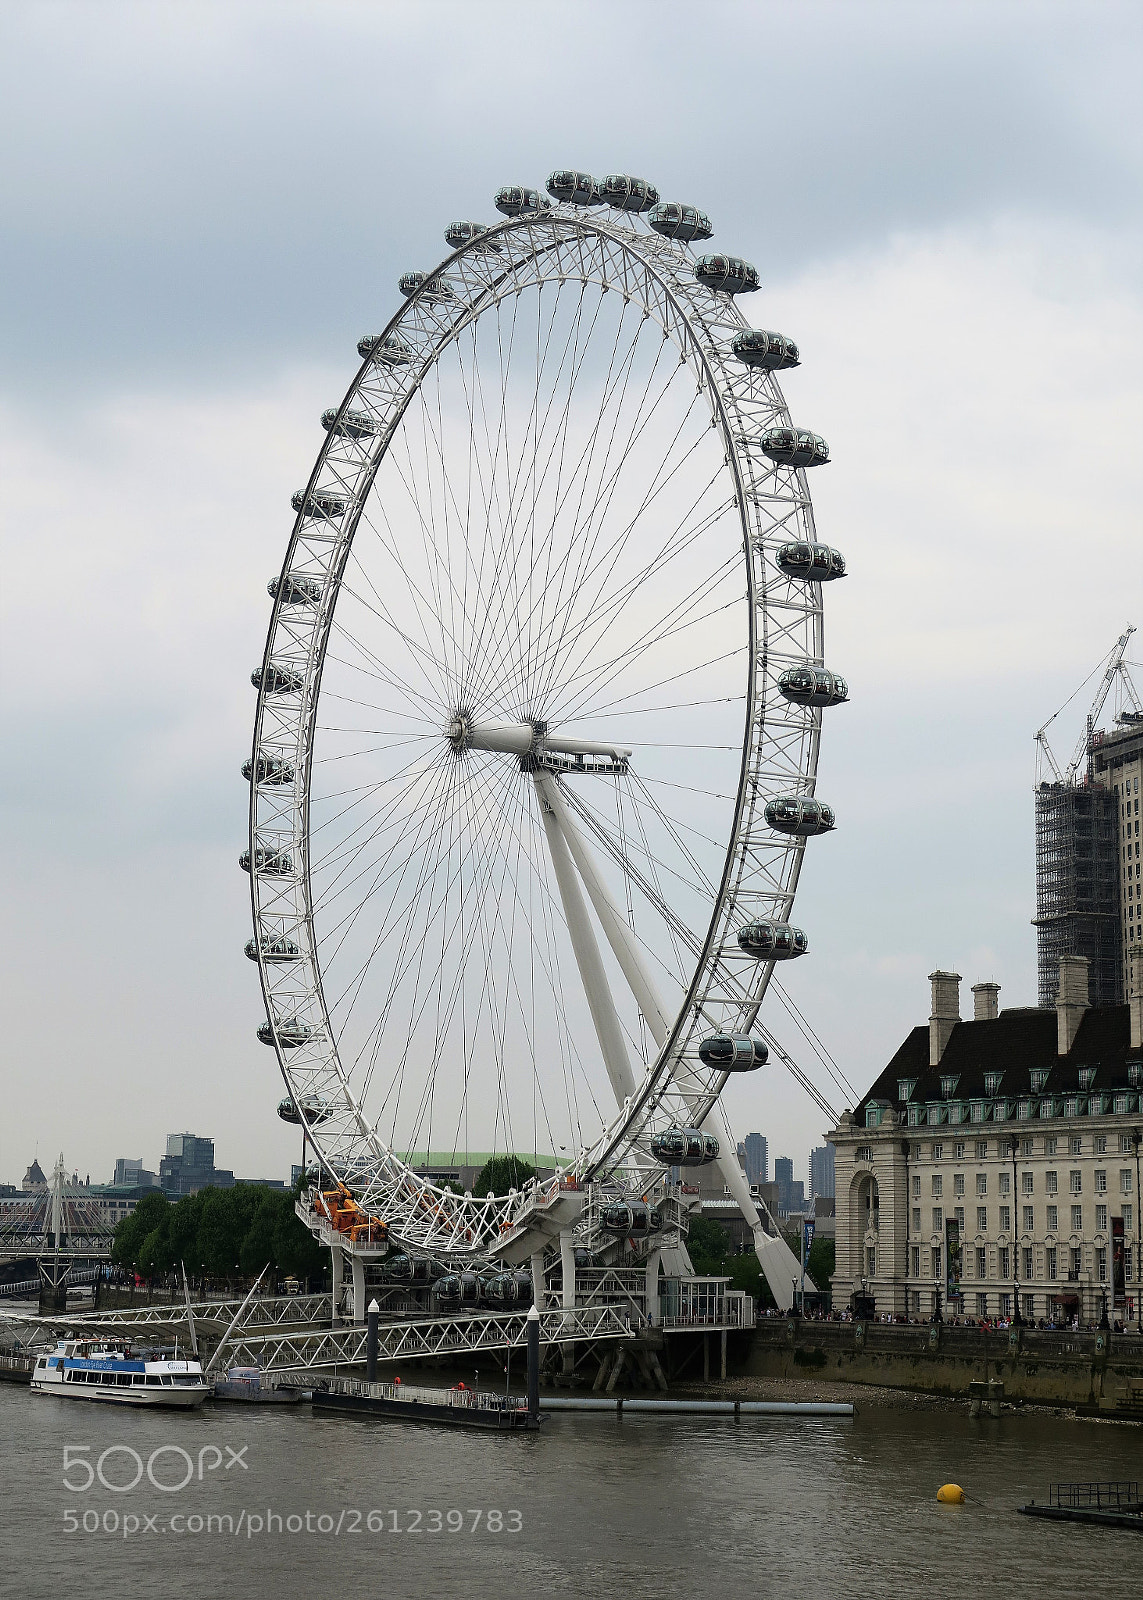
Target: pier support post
(722,1360)
(706,1358)
(533,1368)
(358,1268)
(651,1289)
(335,1252)
(372,1328)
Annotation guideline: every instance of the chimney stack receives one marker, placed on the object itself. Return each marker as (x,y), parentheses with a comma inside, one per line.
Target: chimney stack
(985,1001)
(1072,999)
(946,1012)
(1135,996)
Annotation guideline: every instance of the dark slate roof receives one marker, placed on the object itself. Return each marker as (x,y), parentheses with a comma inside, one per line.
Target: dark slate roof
(1013,1043)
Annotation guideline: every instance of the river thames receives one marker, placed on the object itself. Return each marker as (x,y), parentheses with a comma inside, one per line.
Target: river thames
(277,1498)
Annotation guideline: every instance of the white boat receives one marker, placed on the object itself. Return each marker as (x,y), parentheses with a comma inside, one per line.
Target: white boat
(79,1370)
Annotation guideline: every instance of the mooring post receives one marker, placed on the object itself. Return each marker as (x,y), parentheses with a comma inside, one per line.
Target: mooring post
(533,1329)
(372,1321)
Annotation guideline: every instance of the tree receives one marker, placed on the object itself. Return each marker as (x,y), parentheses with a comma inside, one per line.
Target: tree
(501,1174)
(148,1215)
(708,1245)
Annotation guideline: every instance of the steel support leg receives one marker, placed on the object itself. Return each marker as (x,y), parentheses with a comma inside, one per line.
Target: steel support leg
(336,1252)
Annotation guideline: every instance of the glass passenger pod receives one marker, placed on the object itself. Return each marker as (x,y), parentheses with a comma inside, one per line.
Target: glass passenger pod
(411,283)
(516,201)
(295,590)
(275,947)
(799,815)
(458,1289)
(794,447)
(354,424)
(268,863)
(770,352)
(675,221)
(291,1033)
(628,194)
(310,1107)
(813,563)
(772,941)
(684,1147)
(575,189)
(509,1289)
(321,503)
(733,1052)
(813,686)
(278,678)
(390,351)
(458,234)
(729,273)
(634,1221)
(268,770)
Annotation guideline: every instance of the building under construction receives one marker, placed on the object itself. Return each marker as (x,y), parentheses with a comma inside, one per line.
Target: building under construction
(1087,845)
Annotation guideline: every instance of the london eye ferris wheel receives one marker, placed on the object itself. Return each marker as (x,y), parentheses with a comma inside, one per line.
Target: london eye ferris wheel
(535,747)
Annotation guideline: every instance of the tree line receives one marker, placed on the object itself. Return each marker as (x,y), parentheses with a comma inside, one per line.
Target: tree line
(218,1233)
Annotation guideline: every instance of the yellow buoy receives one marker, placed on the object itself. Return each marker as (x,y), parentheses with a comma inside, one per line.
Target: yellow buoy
(950,1494)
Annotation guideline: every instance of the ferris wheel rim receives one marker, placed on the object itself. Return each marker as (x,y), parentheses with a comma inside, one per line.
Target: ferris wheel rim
(699,345)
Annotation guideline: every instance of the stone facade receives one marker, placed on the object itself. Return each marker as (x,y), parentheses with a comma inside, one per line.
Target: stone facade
(1014,1138)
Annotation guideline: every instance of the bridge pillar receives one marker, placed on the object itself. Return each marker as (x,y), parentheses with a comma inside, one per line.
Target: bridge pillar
(539,1286)
(358,1267)
(652,1289)
(567,1260)
(336,1252)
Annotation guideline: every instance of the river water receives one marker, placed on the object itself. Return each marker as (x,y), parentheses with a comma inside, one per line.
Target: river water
(652,1505)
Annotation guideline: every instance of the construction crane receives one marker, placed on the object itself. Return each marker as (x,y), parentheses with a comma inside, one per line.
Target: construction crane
(1130,710)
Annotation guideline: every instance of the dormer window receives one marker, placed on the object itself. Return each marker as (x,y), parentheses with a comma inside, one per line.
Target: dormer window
(905,1087)
(992,1082)
(948,1084)
(873,1116)
(1039,1077)
(1086,1077)
(1135,1073)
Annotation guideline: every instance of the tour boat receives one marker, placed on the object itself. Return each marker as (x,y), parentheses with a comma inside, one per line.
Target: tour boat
(109,1372)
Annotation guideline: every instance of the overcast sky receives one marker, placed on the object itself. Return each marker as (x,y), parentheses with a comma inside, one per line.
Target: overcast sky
(203,207)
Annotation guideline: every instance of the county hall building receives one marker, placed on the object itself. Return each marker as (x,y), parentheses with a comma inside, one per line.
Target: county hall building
(995,1163)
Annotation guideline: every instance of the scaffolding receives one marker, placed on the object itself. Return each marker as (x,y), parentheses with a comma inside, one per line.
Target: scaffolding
(1077,887)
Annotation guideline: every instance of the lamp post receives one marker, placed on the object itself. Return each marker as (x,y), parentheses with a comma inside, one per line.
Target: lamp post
(1017,1320)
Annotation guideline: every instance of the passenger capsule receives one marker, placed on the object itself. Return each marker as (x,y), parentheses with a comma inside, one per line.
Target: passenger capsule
(268,769)
(291,1033)
(275,947)
(353,425)
(813,563)
(310,1107)
(458,234)
(321,503)
(799,815)
(574,188)
(794,447)
(772,941)
(674,221)
(771,352)
(399,1269)
(508,1289)
(278,678)
(633,1221)
(684,1147)
(733,1052)
(411,283)
(628,194)
(729,273)
(515,201)
(389,352)
(813,686)
(458,1289)
(295,590)
(268,863)
(585,1258)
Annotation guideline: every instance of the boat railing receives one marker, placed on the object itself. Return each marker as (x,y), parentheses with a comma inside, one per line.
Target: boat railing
(1095,1496)
(419,1394)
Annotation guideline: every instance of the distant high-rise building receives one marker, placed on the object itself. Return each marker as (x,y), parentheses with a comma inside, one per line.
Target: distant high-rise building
(822,1181)
(756,1158)
(133,1174)
(189,1166)
(791,1194)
